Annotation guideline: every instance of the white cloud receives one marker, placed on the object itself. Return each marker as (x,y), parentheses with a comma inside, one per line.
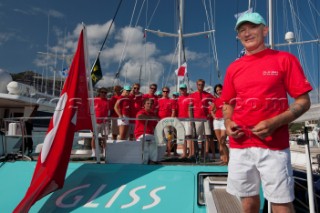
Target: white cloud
(191,56)
(36,10)
(127,51)
(4,37)
(56,14)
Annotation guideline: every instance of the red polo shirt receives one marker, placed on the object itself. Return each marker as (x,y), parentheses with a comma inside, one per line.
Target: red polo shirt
(201,102)
(257,86)
(139,127)
(101,107)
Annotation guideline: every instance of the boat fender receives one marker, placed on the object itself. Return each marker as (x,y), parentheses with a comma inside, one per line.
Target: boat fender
(14,129)
(166,122)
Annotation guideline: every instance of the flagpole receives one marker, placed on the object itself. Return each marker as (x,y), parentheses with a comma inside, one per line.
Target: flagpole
(91,100)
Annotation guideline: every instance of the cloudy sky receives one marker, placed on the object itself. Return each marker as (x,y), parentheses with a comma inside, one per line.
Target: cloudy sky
(31,29)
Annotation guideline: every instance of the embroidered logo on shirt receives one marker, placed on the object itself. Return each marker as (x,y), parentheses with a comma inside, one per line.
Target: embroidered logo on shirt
(270,73)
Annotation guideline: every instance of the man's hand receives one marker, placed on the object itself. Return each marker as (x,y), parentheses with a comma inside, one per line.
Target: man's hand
(232,129)
(264,129)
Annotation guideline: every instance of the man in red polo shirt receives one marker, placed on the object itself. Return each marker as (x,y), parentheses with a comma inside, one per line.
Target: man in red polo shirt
(257,115)
(167,108)
(136,97)
(151,94)
(144,129)
(101,107)
(200,102)
(183,112)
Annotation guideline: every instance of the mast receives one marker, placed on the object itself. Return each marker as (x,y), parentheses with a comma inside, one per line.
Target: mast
(180,32)
(271,42)
(180,35)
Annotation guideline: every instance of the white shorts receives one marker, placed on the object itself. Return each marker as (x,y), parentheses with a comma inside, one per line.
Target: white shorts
(251,167)
(187,127)
(203,128)
(218,124)
(123,121)
(103,129)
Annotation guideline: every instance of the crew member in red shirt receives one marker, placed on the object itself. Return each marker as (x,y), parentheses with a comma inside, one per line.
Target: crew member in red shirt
(114,124)
(167,108)
(124,110)
(151,94)
(200,102)
(183,113)
(101,106)
(136,97)
(257,114)
(144,129)
(218,123)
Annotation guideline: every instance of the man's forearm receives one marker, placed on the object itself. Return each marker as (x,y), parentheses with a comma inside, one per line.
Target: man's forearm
(227,111)
(295,110)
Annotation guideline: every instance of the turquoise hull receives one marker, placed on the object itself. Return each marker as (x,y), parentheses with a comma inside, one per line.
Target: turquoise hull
(110,188)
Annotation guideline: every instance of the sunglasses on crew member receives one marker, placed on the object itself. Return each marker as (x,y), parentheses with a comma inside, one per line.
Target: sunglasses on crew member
(136,88)
(103,92)
(165,91)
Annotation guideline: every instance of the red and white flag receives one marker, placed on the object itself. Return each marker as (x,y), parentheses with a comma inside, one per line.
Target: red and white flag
(71,114)
(181,72)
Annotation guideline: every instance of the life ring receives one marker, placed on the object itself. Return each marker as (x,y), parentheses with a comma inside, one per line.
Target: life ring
(166,122)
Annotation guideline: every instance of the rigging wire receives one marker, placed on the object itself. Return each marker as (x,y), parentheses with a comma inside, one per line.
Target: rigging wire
(300,47)
(154,11)
(316,62)
(123,53)
(210,22)
(295,16)
(313,18)
(107,35)
(129,36)
(171,64)
(145,46)
(114,17)
(145,37)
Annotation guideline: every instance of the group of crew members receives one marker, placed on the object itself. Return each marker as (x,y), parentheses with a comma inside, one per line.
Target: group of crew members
(131,115)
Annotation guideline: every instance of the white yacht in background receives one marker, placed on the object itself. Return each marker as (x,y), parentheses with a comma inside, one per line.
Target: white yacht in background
(311,120)
(18,102)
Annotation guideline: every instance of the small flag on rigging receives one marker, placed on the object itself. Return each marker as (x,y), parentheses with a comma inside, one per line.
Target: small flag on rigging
(96,73)
(182,71)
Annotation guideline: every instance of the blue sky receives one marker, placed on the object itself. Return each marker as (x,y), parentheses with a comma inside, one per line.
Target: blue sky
(33,26)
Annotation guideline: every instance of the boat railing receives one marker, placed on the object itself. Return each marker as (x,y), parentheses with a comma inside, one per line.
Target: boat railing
(18,129)
(302,183)
(15,130)
(162,141)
